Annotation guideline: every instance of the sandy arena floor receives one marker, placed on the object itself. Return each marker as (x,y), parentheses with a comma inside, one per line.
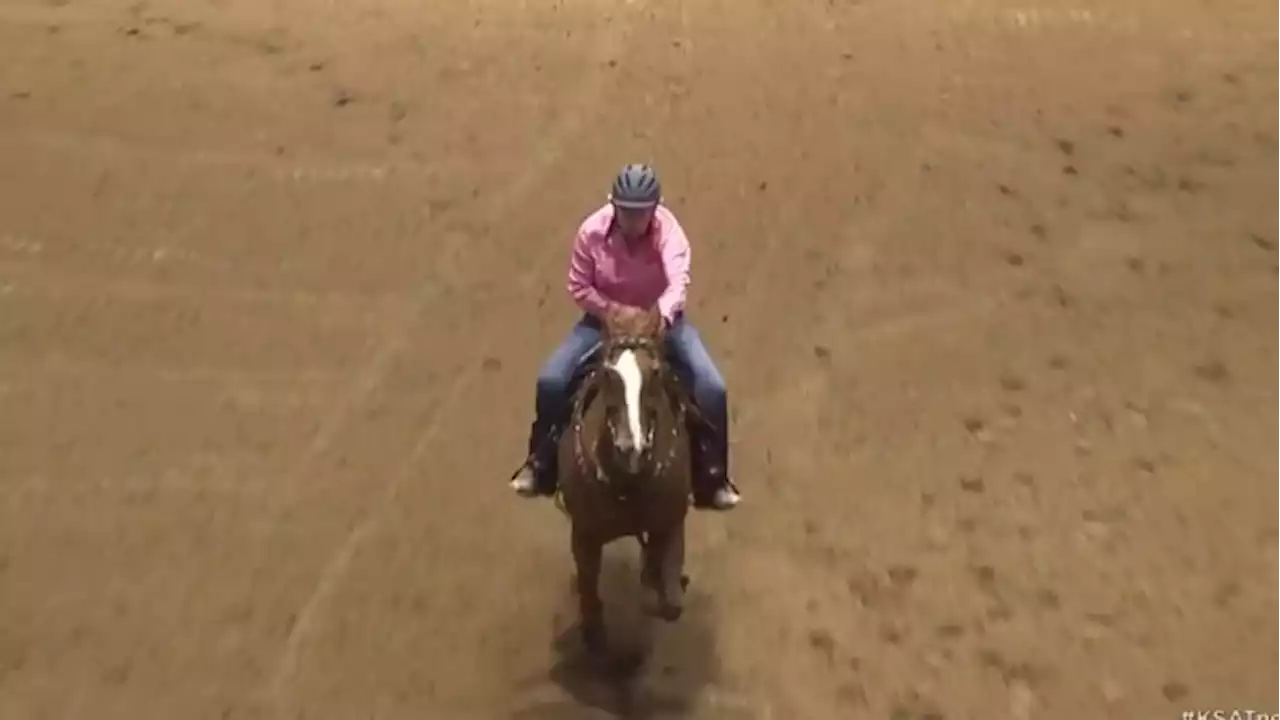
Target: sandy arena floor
(993,284)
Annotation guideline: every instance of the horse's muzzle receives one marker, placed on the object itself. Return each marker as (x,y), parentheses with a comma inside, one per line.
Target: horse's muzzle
(636,461)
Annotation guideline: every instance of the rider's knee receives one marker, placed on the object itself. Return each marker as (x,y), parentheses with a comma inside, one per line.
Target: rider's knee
(710,388)
(707,379)
(551,382)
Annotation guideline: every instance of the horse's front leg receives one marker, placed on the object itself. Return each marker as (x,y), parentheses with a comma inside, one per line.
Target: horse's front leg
(587,553)
(666,551)
(650,564)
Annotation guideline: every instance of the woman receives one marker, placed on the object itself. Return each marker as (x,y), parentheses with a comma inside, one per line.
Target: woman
(629,255)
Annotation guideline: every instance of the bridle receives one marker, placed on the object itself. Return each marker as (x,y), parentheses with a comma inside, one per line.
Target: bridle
(589,389)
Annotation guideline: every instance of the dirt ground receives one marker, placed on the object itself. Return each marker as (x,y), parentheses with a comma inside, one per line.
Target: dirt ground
(993,283)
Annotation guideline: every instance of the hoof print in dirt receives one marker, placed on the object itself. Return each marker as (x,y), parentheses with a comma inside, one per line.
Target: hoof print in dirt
(1048,599)
(949,631)
(1012,383)
(1190,186)
(1174,691)
(985,575)
(822,643)
(1213,371)
(902,576)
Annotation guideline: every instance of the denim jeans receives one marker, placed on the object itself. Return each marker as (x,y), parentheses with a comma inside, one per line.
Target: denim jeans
(687,353)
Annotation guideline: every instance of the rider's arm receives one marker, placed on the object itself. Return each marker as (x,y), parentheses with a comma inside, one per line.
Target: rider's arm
(676,261)
(582,270)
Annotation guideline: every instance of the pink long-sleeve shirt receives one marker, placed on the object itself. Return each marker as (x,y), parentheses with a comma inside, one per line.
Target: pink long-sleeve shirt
(605,271)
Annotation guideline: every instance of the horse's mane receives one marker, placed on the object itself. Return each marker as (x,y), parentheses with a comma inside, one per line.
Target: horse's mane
(638,326)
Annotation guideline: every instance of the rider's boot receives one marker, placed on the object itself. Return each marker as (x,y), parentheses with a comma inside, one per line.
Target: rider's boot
(712,488)
(537,477)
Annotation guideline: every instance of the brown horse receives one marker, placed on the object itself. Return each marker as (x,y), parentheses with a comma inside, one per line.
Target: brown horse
(624,467)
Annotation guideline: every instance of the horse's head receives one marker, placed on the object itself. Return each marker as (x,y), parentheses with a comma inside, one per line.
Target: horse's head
(632,367)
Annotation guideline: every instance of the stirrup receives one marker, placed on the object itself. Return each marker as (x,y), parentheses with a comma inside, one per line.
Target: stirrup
(541,487)
(705,498)
(530,463)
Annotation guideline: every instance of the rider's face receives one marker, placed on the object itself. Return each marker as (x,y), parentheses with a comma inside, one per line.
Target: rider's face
(633,223)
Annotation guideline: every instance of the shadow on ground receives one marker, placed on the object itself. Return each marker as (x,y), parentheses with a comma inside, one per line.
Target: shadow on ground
(652,671)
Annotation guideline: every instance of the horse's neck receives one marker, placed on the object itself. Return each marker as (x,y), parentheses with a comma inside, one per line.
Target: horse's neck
(592,430)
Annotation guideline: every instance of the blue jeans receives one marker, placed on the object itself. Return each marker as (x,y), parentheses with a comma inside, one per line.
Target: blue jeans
(687,353)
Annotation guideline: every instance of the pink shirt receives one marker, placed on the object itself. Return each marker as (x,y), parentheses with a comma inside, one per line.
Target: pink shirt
(605,272)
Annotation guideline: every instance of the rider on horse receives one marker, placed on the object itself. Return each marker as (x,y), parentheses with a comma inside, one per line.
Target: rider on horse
(630,255)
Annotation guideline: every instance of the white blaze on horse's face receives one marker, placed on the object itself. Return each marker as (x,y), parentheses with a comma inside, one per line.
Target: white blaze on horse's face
(627,368)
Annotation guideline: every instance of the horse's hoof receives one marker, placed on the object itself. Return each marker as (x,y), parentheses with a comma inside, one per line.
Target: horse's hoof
(670,613)
(656,608)
(593,638)
(684,582)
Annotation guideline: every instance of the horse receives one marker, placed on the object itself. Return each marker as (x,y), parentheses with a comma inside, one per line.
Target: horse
(624,467)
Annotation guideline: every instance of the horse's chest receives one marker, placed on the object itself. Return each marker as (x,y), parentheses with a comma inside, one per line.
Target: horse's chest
(594,502)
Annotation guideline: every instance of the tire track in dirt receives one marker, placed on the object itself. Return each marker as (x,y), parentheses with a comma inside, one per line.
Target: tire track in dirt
(395,342)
